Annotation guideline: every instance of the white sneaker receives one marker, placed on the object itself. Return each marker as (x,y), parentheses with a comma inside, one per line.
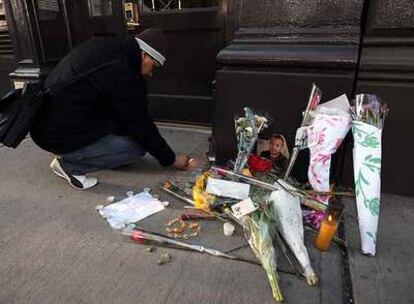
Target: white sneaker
(76,181)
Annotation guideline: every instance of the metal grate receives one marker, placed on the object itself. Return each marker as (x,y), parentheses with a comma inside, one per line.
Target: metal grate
(162,5)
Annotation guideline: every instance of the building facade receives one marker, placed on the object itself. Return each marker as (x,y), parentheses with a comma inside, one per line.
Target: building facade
(277,49)
(229,54)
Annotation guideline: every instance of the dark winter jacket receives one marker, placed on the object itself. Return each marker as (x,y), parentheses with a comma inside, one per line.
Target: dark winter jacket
(113,99)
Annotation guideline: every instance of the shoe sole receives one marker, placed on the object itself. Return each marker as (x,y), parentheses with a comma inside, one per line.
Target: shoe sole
(73,182)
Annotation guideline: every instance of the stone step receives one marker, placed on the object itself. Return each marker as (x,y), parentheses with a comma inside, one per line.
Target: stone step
(6,47)
(6,52)
(5,41)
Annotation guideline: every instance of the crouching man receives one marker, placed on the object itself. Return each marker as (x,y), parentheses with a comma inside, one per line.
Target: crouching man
(95,114)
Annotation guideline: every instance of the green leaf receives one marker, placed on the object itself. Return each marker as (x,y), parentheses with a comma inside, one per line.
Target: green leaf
(372,167)
(373,205)
(358,184)
(358,132)
(370,141)
(368,157)
(363,179)
(372,163)
(371,235)
(375,160)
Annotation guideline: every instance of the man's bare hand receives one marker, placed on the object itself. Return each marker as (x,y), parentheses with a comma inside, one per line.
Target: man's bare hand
(193,164)
(181,161)
(184,162)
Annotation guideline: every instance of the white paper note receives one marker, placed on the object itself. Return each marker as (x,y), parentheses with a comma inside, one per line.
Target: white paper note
(131,210)
(243,208)
(227,188)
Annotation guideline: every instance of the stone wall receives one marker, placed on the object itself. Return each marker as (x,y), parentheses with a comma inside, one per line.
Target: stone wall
(276,49)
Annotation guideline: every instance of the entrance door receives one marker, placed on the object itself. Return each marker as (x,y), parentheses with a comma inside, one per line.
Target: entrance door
(95,18)
(182,90)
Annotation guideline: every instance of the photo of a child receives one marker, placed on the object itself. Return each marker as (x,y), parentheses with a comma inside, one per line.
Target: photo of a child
(278,153)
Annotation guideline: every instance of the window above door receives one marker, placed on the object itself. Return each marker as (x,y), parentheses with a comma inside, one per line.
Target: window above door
(99,8)
(162,5)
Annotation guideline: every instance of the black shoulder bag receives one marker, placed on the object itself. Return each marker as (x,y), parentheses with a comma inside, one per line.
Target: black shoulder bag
(19,107)
(17,113)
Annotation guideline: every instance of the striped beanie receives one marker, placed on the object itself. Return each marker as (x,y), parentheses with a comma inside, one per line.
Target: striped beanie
(153,43)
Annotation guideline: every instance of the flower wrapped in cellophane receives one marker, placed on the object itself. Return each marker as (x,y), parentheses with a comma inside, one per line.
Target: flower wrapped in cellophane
(260,225)
(257,218)
(257,230)
(368,121)
(288,216)
(247,132)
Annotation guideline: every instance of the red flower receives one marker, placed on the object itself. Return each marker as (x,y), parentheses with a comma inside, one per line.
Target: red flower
(259,164)
(138,237)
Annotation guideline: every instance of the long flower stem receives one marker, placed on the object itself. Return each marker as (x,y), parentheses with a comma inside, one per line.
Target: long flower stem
(330,193)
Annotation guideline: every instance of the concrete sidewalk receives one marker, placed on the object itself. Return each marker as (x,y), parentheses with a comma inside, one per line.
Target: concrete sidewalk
(55,248)
(386,278)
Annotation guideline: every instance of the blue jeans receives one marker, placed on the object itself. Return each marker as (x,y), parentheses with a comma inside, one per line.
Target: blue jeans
(110,151)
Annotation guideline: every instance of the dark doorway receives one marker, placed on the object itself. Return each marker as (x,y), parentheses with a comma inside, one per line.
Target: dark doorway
(95,18)
(7,63)
(183,90)
(44,31)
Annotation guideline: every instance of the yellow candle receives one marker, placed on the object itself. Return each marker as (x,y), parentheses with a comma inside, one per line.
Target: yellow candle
(326,233)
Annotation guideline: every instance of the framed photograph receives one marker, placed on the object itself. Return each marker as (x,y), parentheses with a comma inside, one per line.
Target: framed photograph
(275,148)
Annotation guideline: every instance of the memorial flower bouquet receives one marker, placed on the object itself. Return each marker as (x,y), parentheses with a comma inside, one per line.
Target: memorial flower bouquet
(257,228)
(247,131)
(258,225)
(368,114)
(330,123)
(265,216)
(289,222)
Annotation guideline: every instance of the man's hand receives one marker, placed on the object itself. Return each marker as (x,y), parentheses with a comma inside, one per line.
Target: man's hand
(181,161)
(184,162)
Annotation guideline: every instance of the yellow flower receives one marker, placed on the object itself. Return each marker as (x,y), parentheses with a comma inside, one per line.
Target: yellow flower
(202,199)
(247,172)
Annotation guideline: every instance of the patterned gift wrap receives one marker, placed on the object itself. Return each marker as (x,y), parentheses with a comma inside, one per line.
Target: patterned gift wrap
(367,174)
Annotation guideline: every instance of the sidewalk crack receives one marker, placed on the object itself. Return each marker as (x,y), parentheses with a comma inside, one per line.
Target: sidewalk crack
(174,285)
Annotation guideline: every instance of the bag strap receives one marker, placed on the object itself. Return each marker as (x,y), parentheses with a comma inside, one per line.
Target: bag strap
(82,75)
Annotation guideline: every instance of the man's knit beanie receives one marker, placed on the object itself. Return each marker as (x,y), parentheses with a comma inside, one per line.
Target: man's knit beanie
(153,43)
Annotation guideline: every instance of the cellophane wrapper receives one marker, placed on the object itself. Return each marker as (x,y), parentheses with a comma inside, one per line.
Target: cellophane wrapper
(256,228)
